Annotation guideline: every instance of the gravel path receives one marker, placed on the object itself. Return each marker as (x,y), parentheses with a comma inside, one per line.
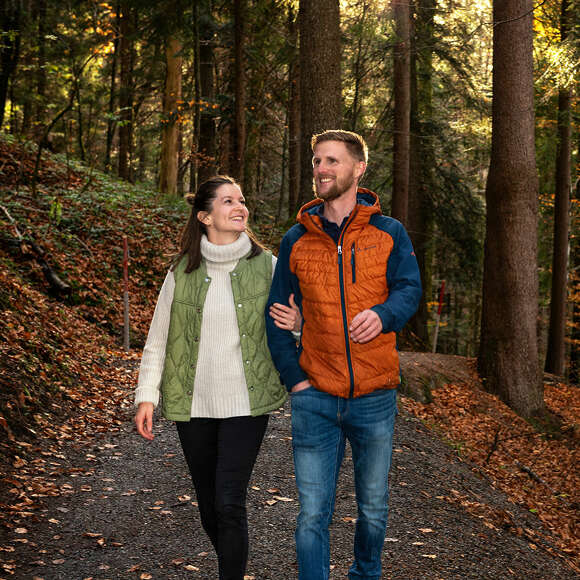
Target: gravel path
(126,512)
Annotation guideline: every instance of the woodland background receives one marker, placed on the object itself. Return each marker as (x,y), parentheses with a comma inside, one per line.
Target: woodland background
(109,112)
(168,93)
(469,111)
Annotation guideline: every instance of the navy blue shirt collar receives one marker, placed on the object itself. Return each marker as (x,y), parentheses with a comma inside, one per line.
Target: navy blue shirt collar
(331,228)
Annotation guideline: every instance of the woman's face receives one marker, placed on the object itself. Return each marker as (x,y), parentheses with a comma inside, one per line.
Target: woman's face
(228,216)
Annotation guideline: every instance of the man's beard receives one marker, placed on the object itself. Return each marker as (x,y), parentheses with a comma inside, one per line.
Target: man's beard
(337,189)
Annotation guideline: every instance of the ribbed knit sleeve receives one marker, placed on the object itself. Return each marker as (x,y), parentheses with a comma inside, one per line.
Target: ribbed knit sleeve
(153,359)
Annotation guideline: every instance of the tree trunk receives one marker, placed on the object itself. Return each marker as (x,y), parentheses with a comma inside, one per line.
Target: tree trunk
(9,48)
(111,123)
(126,91)
(196,99)
(181,164)
(27,82)
(357,72)
(293,115)
(205,148)
(555,356)
(422,160)
(80,125)
(282,196)
(238,142)
(13,120)
(508,356)
(40,102)
(574,374)
(320,88)
(169,163)
(402,93)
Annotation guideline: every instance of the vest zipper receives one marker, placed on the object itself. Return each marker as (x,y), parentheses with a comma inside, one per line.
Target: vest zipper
(353,264)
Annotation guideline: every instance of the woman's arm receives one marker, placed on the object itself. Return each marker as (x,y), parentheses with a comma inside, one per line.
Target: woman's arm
(153,360)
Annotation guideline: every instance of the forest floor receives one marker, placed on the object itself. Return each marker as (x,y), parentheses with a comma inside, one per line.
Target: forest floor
(477,492)
(106,504)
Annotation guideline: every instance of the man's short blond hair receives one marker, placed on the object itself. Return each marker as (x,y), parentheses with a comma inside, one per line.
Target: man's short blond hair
(354,142)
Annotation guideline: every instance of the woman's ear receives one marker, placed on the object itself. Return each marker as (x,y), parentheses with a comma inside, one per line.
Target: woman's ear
(203,217)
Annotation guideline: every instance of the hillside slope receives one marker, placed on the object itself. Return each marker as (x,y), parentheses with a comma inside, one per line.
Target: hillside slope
(55,346)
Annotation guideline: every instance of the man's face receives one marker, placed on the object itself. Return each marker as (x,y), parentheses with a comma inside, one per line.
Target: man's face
(335,170)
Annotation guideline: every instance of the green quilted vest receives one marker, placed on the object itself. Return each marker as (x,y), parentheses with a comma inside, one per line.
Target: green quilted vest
(251,281)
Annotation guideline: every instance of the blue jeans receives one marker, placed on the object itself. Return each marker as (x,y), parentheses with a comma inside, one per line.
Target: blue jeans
(321,424)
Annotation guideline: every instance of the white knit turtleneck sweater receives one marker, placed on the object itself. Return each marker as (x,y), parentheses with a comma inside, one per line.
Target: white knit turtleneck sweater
(220,389)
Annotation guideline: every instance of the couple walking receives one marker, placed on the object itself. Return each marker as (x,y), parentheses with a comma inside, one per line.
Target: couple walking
(232,323)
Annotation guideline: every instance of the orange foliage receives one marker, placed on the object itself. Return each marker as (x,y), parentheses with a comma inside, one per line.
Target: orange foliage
(538,471)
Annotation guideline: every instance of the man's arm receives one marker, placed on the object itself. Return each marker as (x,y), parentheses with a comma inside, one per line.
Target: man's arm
(281,342)
(403,281)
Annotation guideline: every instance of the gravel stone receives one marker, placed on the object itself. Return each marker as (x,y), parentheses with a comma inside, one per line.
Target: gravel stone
(126,512)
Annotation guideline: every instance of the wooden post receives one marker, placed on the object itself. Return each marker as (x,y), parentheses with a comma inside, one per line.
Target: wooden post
(126,293)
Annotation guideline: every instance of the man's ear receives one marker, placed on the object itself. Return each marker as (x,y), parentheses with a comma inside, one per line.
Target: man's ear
(362,166)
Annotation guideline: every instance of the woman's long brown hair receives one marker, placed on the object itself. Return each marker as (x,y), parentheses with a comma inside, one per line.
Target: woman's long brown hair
(202,200)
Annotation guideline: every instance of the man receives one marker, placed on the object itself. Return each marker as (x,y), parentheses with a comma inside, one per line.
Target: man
(354,275)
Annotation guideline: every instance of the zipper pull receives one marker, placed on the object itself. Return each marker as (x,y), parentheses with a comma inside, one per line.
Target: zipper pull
(353,264)
(339,254)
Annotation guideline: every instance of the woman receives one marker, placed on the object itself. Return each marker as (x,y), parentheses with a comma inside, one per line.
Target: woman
(207,354)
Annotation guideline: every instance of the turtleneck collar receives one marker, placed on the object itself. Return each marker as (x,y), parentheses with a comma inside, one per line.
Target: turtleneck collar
(225,253)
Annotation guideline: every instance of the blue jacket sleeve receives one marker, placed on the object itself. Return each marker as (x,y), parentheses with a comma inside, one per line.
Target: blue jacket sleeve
(403,281)
(282,344)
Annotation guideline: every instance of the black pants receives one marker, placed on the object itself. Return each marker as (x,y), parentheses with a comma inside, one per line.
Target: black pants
(221,454)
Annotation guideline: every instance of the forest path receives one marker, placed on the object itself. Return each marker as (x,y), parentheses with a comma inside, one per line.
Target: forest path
(125,511)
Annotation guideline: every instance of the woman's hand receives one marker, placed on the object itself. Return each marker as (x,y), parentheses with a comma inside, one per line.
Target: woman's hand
(144,420)
(287,317)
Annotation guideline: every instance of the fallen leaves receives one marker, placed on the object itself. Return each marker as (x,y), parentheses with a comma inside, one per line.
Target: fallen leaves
(536,470)
(275,498)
